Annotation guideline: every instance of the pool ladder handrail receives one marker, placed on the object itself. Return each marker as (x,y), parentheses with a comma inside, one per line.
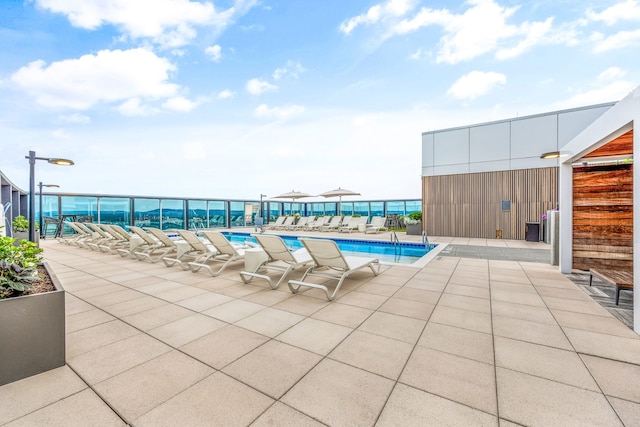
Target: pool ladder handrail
(425,239)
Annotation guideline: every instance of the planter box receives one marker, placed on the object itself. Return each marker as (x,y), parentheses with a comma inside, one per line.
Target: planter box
(414,229)
(20,235)
(32,335)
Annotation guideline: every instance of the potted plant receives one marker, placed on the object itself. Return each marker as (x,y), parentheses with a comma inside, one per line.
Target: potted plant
(33,323)
(413,222)
(20,228)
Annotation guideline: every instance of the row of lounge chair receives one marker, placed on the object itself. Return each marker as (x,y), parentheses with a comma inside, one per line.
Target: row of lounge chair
(338,223)
(321,257)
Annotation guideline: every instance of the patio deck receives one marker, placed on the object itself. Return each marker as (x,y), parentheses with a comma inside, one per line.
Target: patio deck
(461,341)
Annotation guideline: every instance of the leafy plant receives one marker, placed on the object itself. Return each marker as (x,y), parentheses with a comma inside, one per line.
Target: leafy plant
(18,266)
(20,223)
(413,218)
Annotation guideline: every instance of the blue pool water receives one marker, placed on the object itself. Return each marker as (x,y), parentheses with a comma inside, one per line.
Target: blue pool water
(402,253)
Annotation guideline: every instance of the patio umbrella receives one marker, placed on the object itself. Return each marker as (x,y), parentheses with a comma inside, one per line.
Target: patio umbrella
(339,192)
(293,195)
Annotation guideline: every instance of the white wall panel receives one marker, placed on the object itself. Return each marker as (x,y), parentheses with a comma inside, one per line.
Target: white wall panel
(533,136)
(489,166)
(490,142)
(533,162)
(427,150)
(451,147)
(572,123)
(451,169)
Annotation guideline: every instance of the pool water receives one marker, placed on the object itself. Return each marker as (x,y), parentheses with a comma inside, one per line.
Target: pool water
(401,253)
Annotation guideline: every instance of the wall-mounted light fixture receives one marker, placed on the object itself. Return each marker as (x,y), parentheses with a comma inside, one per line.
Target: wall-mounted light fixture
(550,155)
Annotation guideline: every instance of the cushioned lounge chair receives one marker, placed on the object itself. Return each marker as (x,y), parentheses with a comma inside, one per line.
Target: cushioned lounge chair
(199,252)
(279,258)
(226,252)
(167,246)
(330,263)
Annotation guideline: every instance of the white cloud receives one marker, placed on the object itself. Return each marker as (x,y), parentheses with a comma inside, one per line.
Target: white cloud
(294,69)
(379,12)
(475,84)
(76,118)
(612,73)
(214,52)
(534,33)
(226,94)
(279,113)
(180,103)
(627,10)
(613,91)
(60,134)
(108,76)
(133,107)
(257,86)
(620,40)
(194,151)
(170,23)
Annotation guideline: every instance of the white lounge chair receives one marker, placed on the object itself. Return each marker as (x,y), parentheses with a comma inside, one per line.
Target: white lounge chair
(333,224)
(158,253)
(288,221)
(226,252)
(77,239)
(199,253)
(279,258)
(330,263)
(302,222)
(318,223)
(141,242)
(353,224)
(276,224)
(377,225)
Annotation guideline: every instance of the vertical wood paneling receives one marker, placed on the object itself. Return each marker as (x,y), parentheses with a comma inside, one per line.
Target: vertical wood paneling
(603,217)
(470,205)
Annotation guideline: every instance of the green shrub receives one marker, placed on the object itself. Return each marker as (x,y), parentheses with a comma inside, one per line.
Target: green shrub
(20,223)
(18,266)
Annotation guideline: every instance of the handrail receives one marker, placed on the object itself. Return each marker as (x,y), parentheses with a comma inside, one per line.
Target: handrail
(394,238)
(425,239)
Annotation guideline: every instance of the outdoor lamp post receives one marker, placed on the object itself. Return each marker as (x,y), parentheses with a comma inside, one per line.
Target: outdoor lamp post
(261,208)
(32,199)
(40,185)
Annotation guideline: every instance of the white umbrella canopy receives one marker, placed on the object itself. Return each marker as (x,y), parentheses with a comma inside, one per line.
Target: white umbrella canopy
(339,192)
(293,195)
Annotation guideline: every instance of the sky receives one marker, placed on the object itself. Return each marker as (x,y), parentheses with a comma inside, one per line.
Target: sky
(233,99)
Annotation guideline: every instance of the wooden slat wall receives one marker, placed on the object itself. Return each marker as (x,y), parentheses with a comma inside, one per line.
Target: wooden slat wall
(603,217)
(470,205)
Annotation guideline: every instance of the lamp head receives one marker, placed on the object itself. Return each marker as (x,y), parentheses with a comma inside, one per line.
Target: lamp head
(550,155)
(61,162)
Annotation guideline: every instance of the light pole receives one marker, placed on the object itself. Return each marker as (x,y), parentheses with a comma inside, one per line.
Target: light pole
(32,198)
(40,185)
(261,208)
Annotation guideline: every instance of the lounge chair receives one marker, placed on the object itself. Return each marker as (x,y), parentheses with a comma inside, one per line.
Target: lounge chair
(276,224)
(333,224)
(353,224)
(139,241)
(121,238)
(226,252)
(167,247)
(377,225)
(330,263)
(100,242)
(288,221)
(199,252)
(81,234)
(302,222)
(317,224)
(279,258)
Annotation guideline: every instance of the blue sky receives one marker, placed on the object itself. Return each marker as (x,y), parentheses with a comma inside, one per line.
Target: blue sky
(232,99)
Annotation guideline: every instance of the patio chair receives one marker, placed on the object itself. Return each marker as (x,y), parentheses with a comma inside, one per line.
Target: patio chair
(279,258)
(226,252)
(121,238)
(199,252)
(302,222)
(333,224)
(352,224)
(99,243)
(330,263)
(276,224)
(317,224)
(377,225)
(167,247)
(140,242)
(286,223)
(82,234)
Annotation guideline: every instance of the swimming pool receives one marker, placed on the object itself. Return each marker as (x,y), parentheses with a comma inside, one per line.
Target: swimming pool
(387,252)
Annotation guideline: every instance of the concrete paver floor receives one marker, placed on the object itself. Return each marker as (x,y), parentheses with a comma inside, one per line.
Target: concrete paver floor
(461,341)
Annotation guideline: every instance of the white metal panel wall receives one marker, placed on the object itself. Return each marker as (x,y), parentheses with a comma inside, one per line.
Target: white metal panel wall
(490,143)
(451,148)
(533,136)
(572,123)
